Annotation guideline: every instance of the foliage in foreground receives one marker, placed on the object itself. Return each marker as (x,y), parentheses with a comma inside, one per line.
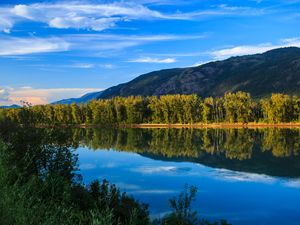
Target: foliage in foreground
(168,109)
(40,185)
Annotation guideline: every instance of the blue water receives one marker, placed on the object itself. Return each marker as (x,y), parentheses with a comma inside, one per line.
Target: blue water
(239,197)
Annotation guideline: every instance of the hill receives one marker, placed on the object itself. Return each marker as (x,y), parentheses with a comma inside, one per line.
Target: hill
(277,70)
(83,99)
(10,106)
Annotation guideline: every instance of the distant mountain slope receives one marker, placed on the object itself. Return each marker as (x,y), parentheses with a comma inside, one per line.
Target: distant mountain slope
(10,107)
(83,99)
(277,70)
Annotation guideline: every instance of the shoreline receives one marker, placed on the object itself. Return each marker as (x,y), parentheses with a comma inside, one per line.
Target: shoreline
(217,125)
(196,126)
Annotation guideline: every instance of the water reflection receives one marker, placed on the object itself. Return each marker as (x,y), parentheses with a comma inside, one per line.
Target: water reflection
(265,151)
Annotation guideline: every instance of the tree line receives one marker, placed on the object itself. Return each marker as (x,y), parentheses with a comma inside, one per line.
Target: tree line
(237,107)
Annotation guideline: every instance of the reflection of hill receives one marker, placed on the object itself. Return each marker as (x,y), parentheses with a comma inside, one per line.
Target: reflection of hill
(270,151)
(261,163)
(264,151)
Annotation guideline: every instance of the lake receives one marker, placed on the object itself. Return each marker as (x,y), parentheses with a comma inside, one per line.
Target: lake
(246,176)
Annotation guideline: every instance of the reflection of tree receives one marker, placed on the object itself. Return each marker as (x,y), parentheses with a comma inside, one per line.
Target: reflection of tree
(232,143)
(282,142)
(221,148)
(195,144)
(213,140)
(238,144)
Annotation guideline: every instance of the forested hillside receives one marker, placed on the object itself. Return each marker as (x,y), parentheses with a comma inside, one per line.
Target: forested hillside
(260,75)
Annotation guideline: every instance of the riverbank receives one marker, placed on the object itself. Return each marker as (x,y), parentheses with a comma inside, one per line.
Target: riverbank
(202,125)
(192,126)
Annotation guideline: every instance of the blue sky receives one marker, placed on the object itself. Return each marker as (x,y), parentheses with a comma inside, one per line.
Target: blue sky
(51,50)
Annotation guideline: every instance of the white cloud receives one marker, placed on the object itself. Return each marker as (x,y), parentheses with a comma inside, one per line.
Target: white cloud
(98,17)
(153,60)
(12,46)
(76,15)
(200,63)
(107,66)
(4,95)
(82,65)
(35,96)
(103,42)
(23,46)
(240,50)
(254,49)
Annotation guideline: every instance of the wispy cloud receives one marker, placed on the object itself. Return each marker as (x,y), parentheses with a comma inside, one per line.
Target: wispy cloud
(217,11)
(153,60)
(107,66)
(12,46)
(82,65)
(23,46)
(253,49)
(4,95)
(199,63)
(37,96)
(98,17)
(76,15)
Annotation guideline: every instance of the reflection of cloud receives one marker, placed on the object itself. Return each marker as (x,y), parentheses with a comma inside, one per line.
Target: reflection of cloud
(161,169)
(109,165)
(242,176)
(127,186)
(150,170)
(293,183)
(154,191)
(87,166)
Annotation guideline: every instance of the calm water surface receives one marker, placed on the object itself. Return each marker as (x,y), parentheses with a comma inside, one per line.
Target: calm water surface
(245,176)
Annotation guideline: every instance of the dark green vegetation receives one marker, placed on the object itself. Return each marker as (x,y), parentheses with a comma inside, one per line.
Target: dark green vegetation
(40,184)
(261,74)
(169,109)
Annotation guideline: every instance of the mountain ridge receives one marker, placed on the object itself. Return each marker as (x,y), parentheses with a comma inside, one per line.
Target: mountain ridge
(14,106)
(83,99)
(277,70)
